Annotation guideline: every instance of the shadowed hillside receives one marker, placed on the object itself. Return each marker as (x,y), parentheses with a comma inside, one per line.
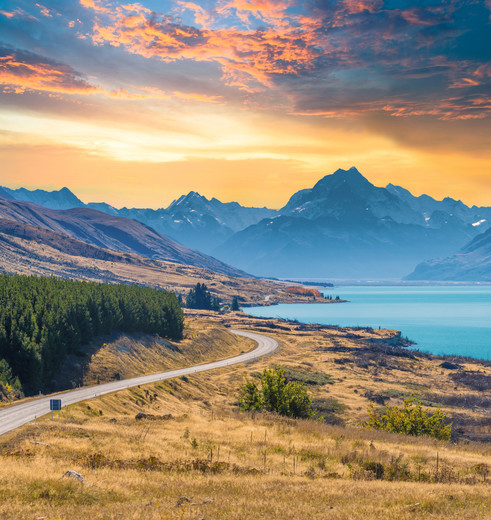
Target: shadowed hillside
(110,232)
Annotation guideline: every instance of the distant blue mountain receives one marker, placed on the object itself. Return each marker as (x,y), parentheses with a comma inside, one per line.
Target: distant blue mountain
(194,220)
(345,227)
(347,195)
(342,227)
(61,199)
(471,264)
(5,195)
(436,212)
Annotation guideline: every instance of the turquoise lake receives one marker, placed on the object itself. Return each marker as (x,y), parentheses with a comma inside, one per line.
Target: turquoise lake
(441,320)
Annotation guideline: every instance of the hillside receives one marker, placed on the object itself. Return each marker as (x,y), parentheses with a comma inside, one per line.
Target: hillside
(44,320)
(109,232)
(470,264)
(195,444)
(192,219)
(26,249)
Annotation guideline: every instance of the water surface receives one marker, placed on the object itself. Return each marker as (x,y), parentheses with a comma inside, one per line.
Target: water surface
(441,320)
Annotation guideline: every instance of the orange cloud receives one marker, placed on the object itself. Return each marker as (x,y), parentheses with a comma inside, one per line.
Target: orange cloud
(23,72)
(464,82)
(413,17)
(156,93)
(244,55)
(17,12)
(18,75)
(201,17)
(44,11)
(95,5)
(358,6)
(271,11)
(477,107)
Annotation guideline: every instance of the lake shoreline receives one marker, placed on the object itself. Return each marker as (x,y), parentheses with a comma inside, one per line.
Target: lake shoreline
(396,340)
(440,320)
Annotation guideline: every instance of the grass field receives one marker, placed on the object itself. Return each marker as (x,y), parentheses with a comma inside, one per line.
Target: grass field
(198,457)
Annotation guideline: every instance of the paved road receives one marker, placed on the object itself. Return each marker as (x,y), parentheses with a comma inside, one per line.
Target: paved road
(15,416)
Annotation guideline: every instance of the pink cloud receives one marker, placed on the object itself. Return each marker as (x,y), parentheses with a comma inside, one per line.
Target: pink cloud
(358,6)
(44,11)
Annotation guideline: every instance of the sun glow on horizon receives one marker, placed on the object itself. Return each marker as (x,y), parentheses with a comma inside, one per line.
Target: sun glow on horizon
(243,100)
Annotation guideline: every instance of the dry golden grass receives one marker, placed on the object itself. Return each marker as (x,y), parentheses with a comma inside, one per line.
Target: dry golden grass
(359,374)
(132,355)
(229,465)
(235,465)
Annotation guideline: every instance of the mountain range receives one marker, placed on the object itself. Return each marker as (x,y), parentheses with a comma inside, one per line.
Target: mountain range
(342,227)
(103,231)
(61,199)
(192,219)
(345,227)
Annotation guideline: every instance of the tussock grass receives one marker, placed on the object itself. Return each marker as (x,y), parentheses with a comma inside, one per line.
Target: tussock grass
(125,356)
(238,466)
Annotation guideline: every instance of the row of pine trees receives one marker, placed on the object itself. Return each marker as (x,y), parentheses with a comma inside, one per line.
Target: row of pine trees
(44,319)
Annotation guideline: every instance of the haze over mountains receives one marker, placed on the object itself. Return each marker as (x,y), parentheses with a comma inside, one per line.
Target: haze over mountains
(349,228)
(342,227)
(192,219)
(471,264)
(61,199)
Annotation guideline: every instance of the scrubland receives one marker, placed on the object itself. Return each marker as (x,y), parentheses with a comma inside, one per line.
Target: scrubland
(196,456)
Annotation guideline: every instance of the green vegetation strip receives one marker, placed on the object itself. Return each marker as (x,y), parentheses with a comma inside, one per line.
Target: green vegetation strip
(44,319)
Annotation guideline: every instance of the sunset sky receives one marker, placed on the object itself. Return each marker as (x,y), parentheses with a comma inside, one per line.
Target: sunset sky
(247,100)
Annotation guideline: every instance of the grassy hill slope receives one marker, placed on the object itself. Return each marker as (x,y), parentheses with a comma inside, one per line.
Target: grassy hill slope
(106,231)
(26,249)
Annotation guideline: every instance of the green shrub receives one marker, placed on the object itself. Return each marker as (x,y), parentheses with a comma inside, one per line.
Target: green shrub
(411,419)
(276,395)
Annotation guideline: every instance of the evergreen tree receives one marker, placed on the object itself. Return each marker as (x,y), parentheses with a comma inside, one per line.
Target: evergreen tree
(199,297)
(235,304)
(44,319)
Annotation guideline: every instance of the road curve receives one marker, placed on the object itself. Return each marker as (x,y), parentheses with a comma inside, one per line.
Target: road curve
(15,416)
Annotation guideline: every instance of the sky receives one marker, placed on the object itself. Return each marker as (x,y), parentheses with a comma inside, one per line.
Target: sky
(135,104)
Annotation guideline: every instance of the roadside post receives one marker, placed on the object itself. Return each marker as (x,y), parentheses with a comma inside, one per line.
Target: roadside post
(55,405)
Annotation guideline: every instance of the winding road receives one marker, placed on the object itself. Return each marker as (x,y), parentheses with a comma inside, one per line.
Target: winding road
(15,416)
